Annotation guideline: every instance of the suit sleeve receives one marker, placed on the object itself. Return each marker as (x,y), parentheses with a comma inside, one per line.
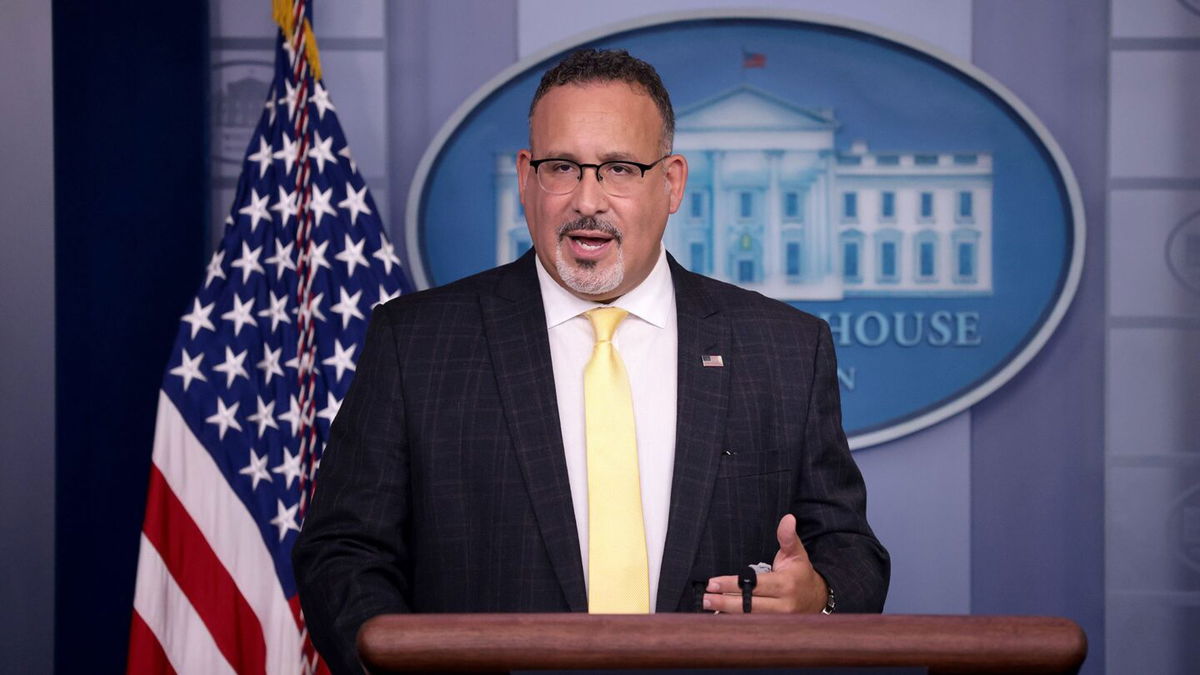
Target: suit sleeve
(351,556)
(830,501)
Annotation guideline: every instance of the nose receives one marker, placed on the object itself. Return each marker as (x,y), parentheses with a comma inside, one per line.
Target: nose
(589,197)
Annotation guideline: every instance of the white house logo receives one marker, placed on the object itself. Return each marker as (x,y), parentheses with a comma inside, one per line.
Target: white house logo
(1183,523)
(237,104)
(903,196)
(1183,252)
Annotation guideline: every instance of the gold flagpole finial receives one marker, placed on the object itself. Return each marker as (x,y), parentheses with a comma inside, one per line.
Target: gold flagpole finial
(281,11)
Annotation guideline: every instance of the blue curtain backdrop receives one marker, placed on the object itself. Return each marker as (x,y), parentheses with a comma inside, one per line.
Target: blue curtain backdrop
(131,153)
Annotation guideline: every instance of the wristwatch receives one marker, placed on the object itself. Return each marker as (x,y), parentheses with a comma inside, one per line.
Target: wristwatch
(830,600)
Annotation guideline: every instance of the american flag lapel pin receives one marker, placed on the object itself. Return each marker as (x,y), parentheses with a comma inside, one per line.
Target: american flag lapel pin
(712,361)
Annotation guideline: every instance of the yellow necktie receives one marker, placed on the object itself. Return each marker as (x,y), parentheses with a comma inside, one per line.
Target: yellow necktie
(618,576)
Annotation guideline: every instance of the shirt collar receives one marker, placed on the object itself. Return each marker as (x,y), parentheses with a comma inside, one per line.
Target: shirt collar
(652,301)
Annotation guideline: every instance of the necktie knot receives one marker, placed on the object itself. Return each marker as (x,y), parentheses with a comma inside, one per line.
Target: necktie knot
(605,321)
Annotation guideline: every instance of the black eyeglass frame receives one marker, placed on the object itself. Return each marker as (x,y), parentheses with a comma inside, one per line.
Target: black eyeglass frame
(535,163)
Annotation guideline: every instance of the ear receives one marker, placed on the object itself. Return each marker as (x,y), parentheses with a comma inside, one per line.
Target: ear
(523,159)
(677,172)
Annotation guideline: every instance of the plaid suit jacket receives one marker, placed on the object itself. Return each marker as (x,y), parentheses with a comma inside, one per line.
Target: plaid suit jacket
(444,487)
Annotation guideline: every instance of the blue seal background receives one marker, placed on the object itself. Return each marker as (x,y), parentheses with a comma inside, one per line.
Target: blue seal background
(892,95)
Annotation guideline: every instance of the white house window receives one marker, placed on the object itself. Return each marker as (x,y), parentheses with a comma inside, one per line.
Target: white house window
(696,205)
(697,257)
(887,262)
(928,253)
(851,256)
(746,259)
(850,206)
(925,160)
(887,205)
(745,271)
(926,212)
(966,256)
(791,205)
(850,262)
(793,254)
(793,259)
(745,204)
(926,256)
(966,260)
(966,207)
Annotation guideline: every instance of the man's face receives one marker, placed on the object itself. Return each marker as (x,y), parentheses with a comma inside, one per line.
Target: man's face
(596,245)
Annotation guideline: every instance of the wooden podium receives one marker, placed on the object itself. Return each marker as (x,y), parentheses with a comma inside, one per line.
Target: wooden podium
(505,642)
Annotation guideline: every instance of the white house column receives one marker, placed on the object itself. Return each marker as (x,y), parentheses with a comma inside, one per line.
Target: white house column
(826,224)
(720,234)
(772,243)
(816,261)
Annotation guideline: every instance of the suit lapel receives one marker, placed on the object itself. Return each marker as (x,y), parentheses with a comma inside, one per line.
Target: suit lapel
(515,323)
(702,399)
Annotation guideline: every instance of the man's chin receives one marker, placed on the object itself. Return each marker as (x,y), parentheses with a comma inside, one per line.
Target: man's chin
(591,278)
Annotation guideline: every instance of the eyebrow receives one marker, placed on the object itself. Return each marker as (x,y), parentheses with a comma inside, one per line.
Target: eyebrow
(616,156)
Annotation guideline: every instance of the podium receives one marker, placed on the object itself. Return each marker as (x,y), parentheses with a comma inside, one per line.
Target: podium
(935,644)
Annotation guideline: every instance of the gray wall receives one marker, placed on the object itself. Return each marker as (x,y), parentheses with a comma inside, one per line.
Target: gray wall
(1153,319)
(27,338)
(1037,444)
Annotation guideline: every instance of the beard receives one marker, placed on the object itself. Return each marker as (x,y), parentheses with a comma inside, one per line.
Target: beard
(586,276)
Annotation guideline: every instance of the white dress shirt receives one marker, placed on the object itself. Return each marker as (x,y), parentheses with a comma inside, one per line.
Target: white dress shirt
(648,343)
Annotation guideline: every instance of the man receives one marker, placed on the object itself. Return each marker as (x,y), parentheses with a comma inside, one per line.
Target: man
(457,473)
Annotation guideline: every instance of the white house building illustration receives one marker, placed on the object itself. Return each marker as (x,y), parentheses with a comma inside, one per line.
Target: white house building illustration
(772,206)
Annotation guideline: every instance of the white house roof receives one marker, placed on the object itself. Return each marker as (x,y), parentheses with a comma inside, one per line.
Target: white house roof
(748,107)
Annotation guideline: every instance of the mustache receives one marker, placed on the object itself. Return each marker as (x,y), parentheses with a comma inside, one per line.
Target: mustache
(589,223)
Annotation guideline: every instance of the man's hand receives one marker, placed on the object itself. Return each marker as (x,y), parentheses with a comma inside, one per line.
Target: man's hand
(792,585)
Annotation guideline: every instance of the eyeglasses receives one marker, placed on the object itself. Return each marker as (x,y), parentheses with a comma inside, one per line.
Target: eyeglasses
(619,179)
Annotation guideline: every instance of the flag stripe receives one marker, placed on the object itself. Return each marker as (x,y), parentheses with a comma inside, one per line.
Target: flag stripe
(166,611)
(229,529)
(203,579)
(146,656)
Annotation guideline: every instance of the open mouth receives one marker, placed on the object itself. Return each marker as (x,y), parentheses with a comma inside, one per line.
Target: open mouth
(590,242)
(590,245)
(588,239)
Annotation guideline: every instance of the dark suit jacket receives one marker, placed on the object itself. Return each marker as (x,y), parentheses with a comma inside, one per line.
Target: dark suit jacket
(444,487)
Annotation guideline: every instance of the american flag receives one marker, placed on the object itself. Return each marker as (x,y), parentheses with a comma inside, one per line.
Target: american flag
(263,358)
(753,59)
